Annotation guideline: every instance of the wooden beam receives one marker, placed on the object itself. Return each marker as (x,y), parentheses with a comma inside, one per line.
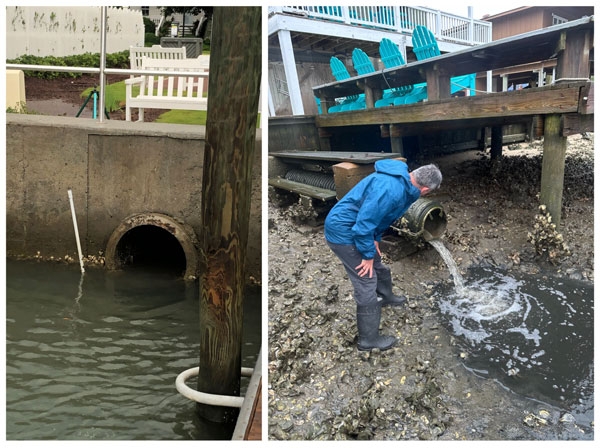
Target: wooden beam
(586,99)
(574,55)
(438,84)
(541,100)
(572,124)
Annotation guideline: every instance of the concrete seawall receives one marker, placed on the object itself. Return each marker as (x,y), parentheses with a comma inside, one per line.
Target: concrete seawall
(116,170)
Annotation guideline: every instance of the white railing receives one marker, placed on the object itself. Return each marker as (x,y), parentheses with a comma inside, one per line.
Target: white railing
(445,26)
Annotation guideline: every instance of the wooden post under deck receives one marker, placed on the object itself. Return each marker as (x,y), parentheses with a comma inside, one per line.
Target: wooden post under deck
(573,62)
(396,139)
(496,144)
(553,167)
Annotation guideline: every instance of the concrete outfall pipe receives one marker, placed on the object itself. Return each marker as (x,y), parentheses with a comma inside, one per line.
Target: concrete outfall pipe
(182,232)
(425,219)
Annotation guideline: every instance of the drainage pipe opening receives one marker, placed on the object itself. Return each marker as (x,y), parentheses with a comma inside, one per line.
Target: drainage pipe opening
(153,242)
(151,248)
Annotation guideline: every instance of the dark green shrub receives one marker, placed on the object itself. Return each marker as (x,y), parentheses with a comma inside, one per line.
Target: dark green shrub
(150,39)
(149,26)
(113,60)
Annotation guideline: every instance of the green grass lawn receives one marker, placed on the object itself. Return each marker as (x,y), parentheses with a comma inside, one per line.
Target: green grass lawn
(115,100)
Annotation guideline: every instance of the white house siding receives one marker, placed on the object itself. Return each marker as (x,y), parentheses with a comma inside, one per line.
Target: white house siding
(64,31)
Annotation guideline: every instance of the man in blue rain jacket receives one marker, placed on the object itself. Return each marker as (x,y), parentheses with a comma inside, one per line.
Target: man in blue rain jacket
(353,230)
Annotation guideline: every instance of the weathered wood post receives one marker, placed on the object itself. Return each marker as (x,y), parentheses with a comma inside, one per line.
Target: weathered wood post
(553,167)
(234,84)
(496,143)
(573,63)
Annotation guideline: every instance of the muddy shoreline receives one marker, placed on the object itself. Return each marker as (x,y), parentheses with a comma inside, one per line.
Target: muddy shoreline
(322,388)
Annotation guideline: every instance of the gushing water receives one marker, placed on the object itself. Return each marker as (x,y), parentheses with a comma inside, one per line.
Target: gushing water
(459,282)
(487,305)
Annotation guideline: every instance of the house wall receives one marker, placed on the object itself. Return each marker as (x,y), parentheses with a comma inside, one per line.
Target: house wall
(513,24)
(533,18)
(64,31)
(309,74)
(523,20)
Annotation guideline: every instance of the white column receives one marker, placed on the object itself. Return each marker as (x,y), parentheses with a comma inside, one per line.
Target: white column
(291,75)
(504,83)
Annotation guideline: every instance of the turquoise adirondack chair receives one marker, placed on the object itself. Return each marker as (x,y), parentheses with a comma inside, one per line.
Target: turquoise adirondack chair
(391,57)
(424,43)
(425,46)
(362,65)
(401,95)
(390,54)
(338,69)
(339,72)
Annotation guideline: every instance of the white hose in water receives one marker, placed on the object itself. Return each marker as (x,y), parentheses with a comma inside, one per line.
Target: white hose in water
(76,230)
(229,401)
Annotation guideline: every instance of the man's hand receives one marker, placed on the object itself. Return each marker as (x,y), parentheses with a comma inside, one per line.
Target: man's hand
(365,267)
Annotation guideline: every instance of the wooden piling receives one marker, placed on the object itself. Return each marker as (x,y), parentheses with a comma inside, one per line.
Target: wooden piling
(573,62)
(396,139)
(553,167)
(234,84)
(496,143)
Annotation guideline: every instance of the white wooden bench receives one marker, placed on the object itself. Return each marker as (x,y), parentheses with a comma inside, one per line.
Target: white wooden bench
(154,52)
(169,92)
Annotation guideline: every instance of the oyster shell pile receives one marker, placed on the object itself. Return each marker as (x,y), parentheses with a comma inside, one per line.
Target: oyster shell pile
(546,239)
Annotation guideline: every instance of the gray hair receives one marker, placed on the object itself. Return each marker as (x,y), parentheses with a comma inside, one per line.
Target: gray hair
(428,176)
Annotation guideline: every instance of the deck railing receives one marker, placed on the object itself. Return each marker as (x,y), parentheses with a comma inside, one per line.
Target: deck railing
(445,26)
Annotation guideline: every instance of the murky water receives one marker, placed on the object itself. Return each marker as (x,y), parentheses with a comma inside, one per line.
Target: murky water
(96,357)
(532,334)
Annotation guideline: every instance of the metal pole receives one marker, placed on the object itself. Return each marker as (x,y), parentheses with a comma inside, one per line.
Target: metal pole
(102,59)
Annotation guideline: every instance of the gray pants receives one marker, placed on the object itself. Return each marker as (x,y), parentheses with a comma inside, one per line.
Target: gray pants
(365,288)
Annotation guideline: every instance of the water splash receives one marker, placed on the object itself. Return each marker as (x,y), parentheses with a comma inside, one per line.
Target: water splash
(483,304)
(459,282)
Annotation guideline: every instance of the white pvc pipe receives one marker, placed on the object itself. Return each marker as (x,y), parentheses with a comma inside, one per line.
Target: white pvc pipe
(202,397)
(76,230)
(103,19)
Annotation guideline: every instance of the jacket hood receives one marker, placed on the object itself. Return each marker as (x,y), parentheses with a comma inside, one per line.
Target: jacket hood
(392,167)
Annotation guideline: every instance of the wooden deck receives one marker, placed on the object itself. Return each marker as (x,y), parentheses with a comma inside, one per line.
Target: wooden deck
(254,431)
(570,44)
(566,106)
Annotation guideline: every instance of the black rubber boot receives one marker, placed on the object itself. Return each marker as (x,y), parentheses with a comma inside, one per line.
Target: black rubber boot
(384,290)
(367,322)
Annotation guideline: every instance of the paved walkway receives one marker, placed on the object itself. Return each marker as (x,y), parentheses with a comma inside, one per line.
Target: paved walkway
(59,107)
